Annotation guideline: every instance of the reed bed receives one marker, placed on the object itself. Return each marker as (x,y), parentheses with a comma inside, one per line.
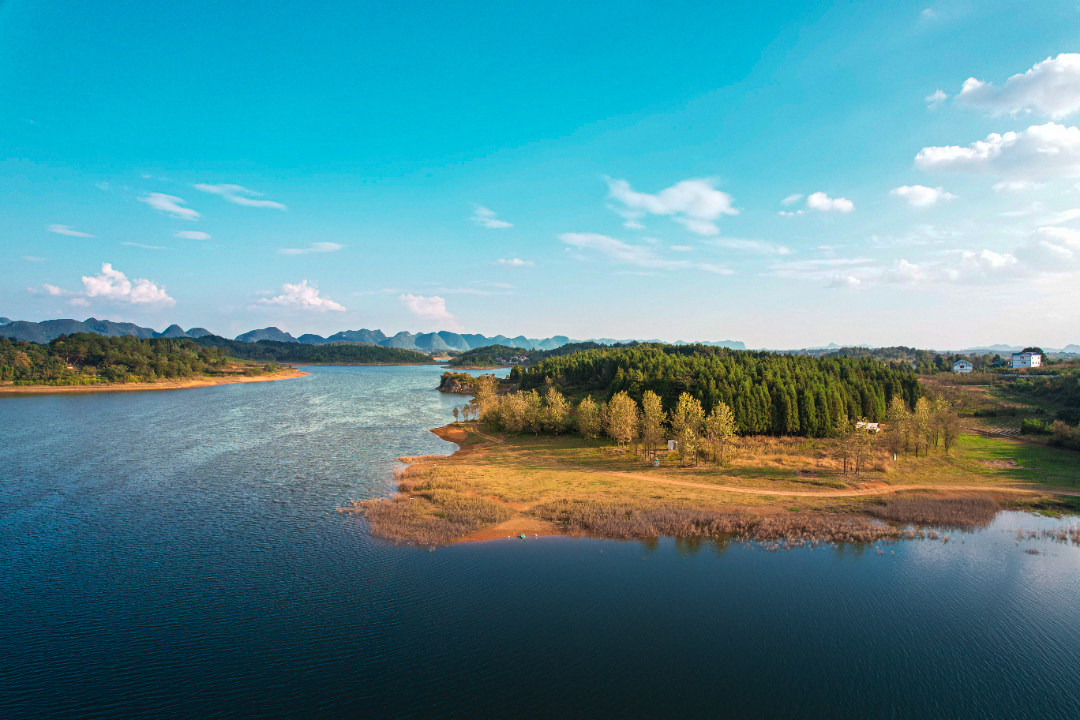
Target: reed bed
(949,512)
(1070,534)
(615,520)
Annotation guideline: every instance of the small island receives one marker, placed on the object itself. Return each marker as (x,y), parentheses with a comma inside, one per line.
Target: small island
(654,440)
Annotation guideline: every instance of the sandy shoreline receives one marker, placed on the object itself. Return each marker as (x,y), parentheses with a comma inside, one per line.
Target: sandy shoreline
(137,387)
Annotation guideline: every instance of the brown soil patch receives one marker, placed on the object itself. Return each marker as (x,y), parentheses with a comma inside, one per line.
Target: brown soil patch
(1000,463)
(529,526)
(452,433)
(136,387)
(807,473)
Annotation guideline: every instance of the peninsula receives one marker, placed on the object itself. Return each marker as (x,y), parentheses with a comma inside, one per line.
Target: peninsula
(806,450)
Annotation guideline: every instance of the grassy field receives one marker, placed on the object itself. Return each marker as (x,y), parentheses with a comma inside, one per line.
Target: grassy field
(775,487)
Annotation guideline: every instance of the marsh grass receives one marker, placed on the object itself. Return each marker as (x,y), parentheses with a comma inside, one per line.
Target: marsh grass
(949,512)
(624,521)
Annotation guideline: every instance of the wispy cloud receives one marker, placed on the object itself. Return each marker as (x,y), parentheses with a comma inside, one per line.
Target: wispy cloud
(485,217)
(239,195)
(694,204)
(33,258)
(302,297)
(192,235)
(319,247)
(934,100)
(145,247)
(757,247)
(67,230)
(791,199)
(171,205)
(515,262)
(639,255)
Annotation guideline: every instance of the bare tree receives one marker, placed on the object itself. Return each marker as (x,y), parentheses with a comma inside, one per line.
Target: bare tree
(842,429)
(950,429)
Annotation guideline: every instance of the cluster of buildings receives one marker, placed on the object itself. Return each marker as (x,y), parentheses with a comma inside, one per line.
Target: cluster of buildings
(1019,360)
(516,360)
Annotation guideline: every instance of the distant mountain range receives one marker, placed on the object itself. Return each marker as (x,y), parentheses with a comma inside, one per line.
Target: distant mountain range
(43,332)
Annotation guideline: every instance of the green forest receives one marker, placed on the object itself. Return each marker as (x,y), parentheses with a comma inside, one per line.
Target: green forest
(89,359)
(768,393)
(328,354)
(488,355)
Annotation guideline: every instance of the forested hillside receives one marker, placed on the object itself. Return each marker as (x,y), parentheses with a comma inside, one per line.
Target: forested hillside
(90,359)
(489,355)
(769,393)
(331,354)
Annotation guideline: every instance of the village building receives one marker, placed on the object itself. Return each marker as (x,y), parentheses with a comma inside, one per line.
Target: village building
(1026,360)
(962,366)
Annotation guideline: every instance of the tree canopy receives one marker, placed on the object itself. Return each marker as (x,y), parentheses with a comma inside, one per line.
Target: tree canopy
(768,393)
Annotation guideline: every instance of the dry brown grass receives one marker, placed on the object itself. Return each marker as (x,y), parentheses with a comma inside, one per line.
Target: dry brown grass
(958,512)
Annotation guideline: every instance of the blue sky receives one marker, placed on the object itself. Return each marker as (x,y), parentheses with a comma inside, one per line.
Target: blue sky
(787,176)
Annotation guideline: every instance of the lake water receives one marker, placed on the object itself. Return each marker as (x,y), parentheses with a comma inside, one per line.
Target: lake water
(178,555)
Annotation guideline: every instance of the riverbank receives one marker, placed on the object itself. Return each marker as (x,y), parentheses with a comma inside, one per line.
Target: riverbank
(184,384)
(786,490)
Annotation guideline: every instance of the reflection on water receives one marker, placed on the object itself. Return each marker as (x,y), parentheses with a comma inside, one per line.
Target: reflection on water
(179,555)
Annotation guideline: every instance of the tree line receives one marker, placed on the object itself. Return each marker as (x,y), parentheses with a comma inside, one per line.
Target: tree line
(328,354)
(86,359)
(767,393)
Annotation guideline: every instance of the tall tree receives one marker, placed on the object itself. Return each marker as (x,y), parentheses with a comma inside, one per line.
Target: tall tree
(588,419)
(720,431)
(556,411)
(686,421)
(622,419)
(652,421)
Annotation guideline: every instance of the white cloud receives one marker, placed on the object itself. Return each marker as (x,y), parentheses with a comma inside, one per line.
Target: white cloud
(638,255)
(67,230)
(53,290)
(695,203)
(824,203)
(145,247)
(303,297)
(921,196)
(928,14)
(170,204)
(681,248)
(192,235)
(319,247)
(485,217)
(432,308)
(113,285)
(1052,249)
(1016,186)
(78,302)
(934,101)
(786,213)
(516,262)
(845,281)
(633,225)
(1041,150)
(1050,87)
(758,247)
(1063,216)
(239,195)
(791,199)
(33,258)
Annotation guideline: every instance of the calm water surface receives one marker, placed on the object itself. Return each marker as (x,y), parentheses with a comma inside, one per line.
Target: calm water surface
(178,555)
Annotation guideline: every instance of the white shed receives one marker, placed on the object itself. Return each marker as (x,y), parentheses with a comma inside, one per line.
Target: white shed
(962,366)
